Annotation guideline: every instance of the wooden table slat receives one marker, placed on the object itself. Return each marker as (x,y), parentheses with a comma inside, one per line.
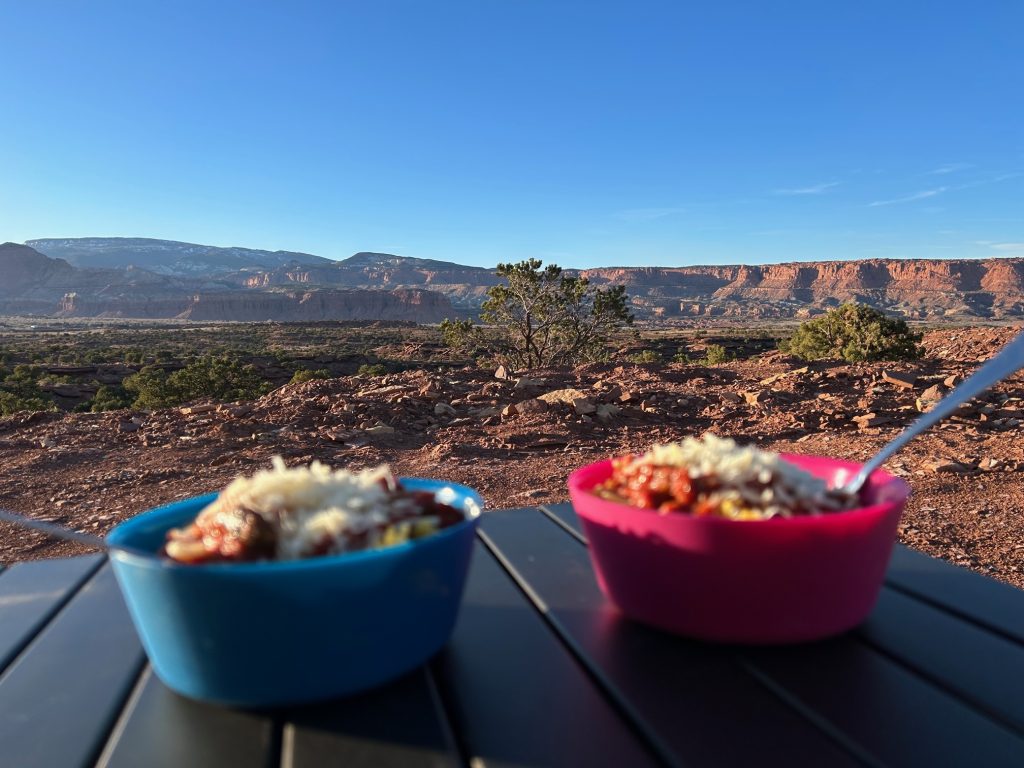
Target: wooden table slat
(684,692)
(160,729)
(516,696)
(401,725)
(61,697)
(972,595)
(983,668)
(898,717)
(31,593)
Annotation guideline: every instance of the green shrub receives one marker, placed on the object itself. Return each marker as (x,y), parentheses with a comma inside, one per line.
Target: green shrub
(212,378)
(24,374)
(305,374)
(716,353)
(645,356)
(109,398)
(377,369)
(19,391)
(23,400)
(150,388)
(681,357)
(854,332)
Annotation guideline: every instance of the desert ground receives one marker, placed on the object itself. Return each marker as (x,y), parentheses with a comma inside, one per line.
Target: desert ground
(516,439)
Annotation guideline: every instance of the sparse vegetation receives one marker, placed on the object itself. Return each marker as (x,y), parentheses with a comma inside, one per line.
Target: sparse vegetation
(541,317)
(109,399)
(20,391)
(716,353)
(645,356)
(307,374)
(854,332)
(213,378)
(376,369)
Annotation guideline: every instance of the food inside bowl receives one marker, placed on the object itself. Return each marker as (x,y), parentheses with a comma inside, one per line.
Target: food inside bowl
(715,477)
(291,513)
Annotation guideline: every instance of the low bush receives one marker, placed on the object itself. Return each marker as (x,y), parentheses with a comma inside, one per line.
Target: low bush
(716,353)
(212,378)
(854,332)
(306,374)
(645,356)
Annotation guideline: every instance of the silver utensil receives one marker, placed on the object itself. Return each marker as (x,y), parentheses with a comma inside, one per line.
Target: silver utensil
(1009,360)
(60,532)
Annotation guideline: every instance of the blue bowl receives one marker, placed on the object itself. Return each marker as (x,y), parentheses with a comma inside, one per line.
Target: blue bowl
(277,633)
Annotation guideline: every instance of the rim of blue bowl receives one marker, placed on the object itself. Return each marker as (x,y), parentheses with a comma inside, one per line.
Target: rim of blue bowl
(155,560)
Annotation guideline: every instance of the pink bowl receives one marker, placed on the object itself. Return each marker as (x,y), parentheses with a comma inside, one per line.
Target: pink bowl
(753,581)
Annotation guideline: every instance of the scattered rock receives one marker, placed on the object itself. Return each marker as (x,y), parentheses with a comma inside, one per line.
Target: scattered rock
(533,405)
(930,397)
(867,420)
(944,465)
(127,426)
(755,399)
(501,373)
(380,429)
(607,411)
(779,376)
(566,396)
(901,380)
(525,383)
(583,406)
(194,410)
(443,409)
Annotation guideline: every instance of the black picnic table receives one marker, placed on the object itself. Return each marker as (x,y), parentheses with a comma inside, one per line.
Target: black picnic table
(541,670)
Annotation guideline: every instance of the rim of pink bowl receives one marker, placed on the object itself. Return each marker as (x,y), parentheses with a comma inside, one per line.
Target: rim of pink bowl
(576,483)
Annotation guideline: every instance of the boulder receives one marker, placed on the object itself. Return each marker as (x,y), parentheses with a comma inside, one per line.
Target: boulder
(566,396)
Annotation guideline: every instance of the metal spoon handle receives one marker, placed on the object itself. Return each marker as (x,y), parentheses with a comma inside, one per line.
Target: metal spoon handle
(60,532)
(1009,360)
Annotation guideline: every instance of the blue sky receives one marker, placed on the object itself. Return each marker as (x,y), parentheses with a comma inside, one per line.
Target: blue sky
(584,133)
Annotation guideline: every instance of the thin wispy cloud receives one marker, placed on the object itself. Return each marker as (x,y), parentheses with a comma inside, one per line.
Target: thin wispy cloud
(646,214)
(910,198)
(816,189)
(939,190)
(1007,246)
(949,168)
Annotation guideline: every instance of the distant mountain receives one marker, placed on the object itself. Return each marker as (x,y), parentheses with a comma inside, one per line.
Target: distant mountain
(34,284)
(464,286)
(167,257)
(170,279)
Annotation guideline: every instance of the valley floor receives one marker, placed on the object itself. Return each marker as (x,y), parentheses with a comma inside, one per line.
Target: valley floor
(92,470)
